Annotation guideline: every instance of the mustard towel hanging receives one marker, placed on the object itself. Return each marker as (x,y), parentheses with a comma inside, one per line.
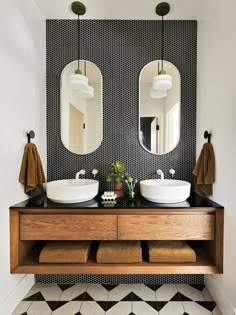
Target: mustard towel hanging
(204,171)
(31,172)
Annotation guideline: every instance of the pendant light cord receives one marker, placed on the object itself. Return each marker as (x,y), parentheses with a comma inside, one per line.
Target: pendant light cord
(162,42)
(78,24)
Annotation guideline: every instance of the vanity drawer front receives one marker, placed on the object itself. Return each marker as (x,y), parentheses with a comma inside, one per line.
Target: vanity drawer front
(68,227)
(166,227)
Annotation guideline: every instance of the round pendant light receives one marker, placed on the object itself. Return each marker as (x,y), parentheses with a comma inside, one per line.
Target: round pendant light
(87,92)
(78,81)
(162,82)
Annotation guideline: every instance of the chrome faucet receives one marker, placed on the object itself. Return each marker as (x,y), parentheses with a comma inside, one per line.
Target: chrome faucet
(81,172)
(159,172)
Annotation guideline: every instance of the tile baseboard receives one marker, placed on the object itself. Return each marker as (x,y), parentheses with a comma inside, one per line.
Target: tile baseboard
(120,279)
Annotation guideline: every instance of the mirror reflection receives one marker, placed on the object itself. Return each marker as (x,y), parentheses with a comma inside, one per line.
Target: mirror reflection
(159,107)
(81,107)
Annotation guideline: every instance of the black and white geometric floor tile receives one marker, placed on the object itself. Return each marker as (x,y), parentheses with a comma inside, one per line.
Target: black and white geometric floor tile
(122,299)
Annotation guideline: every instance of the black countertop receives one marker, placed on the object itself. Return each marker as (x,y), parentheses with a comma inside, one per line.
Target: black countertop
(41,202)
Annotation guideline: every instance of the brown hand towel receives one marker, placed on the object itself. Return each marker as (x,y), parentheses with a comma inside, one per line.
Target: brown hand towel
(170,252)
(31,172)
(204,171)
(119,252)
(65,252)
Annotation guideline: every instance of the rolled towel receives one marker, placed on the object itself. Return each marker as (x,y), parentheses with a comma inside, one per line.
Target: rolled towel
(65,252)
(112,252)
(170,251)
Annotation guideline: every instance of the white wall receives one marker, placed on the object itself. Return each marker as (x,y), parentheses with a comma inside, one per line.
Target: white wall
(216,112)
(22,108)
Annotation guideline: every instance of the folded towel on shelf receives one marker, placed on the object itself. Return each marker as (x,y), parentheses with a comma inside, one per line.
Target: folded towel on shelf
(204,171)
(65,252)
(31,172)
(170,252)
(119,252)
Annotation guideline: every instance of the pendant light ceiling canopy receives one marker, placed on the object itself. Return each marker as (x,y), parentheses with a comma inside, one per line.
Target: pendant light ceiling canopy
(78,80)
(78,8)
(162,9)
(162,81)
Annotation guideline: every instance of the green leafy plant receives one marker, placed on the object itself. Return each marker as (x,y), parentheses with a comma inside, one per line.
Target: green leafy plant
(117,173)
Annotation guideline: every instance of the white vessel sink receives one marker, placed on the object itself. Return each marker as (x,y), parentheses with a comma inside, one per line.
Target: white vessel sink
(165,191)
(72,190)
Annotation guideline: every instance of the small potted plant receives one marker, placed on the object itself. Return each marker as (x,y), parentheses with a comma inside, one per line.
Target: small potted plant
(118,174)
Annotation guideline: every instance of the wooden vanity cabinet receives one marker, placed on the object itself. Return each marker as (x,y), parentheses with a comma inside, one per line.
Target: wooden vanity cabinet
(166,227)
(68,227)
(31,228)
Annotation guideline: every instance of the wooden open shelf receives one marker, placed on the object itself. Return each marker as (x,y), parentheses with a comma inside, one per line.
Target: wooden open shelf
(203,265)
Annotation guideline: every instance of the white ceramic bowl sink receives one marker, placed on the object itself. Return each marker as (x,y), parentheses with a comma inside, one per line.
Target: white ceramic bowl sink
(72,190)
(165,191)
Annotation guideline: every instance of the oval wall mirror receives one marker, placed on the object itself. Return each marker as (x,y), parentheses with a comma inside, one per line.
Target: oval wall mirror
(159,107)
(81,107)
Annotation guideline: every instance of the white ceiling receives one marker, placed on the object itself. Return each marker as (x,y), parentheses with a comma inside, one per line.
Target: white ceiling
(122,9)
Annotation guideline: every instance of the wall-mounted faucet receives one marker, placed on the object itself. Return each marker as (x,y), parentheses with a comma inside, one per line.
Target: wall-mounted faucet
(94,172)
(81,172)
(172,172)
(159,172)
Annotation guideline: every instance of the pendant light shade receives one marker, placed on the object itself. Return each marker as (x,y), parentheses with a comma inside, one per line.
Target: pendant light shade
(157,93)
(77,80)
(162,81)
(87,92)
(79,83)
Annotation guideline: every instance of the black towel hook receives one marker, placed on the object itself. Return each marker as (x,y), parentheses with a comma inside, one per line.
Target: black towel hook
(30,135)
(207,135)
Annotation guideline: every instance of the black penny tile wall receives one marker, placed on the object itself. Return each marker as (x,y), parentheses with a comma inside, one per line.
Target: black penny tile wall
(116,279)
(121,48)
